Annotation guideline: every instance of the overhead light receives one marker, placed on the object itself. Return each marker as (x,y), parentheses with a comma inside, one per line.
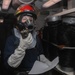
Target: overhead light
(26,1)
(50,3)
(1,20)
(5,4)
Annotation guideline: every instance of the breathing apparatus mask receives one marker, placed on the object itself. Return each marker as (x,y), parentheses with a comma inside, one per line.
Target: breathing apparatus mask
(25,24)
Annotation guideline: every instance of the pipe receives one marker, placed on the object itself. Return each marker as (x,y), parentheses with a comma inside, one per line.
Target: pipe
(5,4)
(50,3)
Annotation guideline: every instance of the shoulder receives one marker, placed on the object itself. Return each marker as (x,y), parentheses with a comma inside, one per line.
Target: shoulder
(10,39)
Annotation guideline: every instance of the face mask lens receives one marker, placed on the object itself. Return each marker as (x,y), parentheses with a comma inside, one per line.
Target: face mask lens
(21,26)
(25,22)
(29,21)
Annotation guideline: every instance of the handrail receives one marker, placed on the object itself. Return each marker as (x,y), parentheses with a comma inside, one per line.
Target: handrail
(65,12)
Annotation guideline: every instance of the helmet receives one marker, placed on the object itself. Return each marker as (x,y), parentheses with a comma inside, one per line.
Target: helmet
(27,10)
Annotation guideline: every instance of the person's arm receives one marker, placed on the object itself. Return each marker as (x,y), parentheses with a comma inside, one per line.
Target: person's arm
(12,55)
(14,58)
(8,50)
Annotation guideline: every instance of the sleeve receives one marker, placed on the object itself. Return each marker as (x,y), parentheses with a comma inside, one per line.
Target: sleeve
(12,56)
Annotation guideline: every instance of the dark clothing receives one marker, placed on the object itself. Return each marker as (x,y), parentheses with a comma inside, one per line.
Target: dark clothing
(30,56)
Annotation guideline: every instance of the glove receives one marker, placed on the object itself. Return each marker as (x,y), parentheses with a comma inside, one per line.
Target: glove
(25,43)
(45,60)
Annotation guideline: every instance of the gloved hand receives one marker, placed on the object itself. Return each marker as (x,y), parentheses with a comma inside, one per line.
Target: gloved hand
(25,43)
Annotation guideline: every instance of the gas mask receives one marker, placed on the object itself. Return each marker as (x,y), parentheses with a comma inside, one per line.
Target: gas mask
(25,25)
